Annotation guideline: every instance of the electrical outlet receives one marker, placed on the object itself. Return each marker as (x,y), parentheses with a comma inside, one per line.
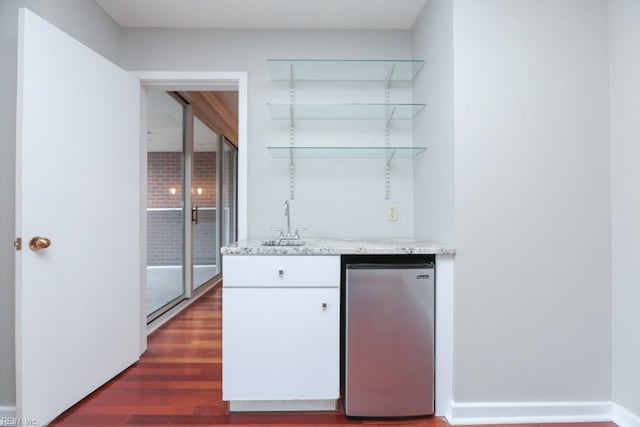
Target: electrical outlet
(392,213)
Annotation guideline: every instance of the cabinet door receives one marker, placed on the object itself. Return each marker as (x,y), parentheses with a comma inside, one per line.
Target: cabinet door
(281,344)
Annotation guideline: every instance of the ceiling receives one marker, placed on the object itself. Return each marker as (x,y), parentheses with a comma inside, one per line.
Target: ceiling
(265,14)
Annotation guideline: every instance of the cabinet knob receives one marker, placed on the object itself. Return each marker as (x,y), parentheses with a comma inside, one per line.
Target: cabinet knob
(281,273)
(324,305)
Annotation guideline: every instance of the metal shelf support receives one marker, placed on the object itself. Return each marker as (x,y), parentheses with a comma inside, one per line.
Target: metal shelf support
(387,101)
(292,138)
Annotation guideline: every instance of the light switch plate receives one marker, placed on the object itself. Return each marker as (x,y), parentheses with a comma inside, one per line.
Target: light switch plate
(392,213)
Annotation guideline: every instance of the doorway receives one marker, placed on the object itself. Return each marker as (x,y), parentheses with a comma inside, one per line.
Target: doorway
(191,211)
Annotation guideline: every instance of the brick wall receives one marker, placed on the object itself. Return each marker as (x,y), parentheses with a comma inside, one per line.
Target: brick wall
(204,178)
(164,175)
(164,191)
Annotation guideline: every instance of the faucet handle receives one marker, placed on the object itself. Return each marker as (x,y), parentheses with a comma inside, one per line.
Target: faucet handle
(300,229)
(277,229)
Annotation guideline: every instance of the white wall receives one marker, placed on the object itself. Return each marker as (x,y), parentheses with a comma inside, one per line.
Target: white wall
(432,37)
(624,39)
(532,201)
(85,21)
(88,23)
(334,198)
(533,172)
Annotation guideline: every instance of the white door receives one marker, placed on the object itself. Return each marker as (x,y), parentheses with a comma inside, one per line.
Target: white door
(77,184)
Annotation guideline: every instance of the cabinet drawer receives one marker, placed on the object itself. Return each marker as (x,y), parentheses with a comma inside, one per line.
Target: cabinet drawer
(280,271)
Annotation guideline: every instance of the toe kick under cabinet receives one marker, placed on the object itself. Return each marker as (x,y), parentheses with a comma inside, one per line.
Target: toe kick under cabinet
(281,332)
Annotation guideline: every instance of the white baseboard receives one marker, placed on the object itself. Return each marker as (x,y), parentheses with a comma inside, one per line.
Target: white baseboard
(281,405)
(529,412)
(7,414)
(625,418)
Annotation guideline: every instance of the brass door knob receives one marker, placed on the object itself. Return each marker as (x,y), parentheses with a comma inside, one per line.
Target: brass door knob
(38,243)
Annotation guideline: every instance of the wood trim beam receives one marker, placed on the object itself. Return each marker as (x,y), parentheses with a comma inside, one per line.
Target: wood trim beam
(213,112)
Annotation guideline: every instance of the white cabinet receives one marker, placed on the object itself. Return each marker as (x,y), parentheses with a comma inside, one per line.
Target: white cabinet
(281,344)
(281,341)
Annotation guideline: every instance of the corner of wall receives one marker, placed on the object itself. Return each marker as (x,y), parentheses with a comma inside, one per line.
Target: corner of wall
(624,93)
(625,418)
(432,41)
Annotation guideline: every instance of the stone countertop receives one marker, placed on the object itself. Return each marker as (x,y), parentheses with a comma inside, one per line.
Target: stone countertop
(340,247)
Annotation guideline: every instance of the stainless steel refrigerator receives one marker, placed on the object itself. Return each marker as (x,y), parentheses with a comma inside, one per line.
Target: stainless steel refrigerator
(389,343)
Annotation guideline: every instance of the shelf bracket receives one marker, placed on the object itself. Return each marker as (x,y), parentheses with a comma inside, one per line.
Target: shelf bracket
(390,116)
(387,81)
(390,156)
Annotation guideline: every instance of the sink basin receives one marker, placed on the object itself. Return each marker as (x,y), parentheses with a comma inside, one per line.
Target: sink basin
(283,242)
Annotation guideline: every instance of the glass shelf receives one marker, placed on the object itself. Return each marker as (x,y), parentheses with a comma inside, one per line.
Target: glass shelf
(343,152)
(343,69)
(346,111)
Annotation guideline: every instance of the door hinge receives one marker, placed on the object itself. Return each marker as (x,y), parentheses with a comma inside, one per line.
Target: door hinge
(18,243)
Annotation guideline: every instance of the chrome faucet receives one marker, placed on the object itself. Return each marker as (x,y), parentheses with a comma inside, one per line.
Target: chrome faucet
(286,213)
(288,237)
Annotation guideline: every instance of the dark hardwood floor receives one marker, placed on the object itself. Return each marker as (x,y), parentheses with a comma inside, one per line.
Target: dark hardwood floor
(177,382)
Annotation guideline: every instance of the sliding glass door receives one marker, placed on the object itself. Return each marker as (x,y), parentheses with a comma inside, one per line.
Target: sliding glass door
(165,202)
(229,192)
(188,165)
(204,204)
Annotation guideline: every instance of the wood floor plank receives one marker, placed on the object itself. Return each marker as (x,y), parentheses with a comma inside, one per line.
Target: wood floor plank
(178,382)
